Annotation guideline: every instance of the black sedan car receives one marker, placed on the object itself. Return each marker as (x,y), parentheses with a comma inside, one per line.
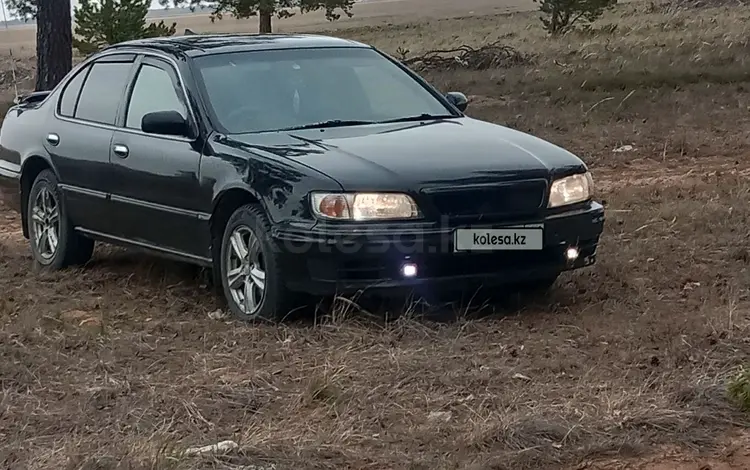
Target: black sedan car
(289,164)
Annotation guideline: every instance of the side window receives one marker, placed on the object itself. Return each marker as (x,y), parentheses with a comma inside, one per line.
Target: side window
(70,94)
(100,96)
(153,91)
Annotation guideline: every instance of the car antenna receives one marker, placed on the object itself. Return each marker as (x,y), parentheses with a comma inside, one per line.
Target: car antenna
(12,58)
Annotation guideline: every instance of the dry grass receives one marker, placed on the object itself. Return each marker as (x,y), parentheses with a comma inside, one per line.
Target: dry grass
(118,365)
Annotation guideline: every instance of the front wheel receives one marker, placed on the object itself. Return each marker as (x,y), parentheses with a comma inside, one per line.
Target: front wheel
(251,273)
(54,243)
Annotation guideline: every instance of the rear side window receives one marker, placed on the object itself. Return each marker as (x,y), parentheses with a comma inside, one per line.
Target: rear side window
(70,94)
(100,96)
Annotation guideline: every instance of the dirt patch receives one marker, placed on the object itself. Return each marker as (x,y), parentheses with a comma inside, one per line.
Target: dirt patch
(733,455)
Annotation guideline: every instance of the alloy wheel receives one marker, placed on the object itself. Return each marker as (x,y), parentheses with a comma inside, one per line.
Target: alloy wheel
(45,218)
(245,270)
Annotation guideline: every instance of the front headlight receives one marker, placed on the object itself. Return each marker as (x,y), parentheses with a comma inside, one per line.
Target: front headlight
(571,189)
(364,206)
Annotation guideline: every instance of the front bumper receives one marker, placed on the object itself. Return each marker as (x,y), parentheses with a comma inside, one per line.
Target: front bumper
(330,260)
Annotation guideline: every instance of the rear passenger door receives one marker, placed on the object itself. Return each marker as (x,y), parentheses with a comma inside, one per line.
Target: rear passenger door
(79,138)
(155,188)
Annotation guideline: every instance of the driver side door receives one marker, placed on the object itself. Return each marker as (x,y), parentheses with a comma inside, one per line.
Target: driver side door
(155,189)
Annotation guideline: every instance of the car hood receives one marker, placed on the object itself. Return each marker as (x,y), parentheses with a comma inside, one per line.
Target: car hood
(392,157)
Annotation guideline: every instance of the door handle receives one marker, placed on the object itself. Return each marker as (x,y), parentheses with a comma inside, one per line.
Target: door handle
(53,138)
(120,150)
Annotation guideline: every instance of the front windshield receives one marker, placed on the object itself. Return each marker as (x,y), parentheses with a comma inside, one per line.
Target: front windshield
(272,90)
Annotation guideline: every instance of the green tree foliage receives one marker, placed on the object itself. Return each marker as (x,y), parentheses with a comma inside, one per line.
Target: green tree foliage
(103,22)
(738,388)
(266,9)
(561,16)
(25,9)
(263,9)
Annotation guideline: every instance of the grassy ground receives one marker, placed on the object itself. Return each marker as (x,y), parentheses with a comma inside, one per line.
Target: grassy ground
(623,365)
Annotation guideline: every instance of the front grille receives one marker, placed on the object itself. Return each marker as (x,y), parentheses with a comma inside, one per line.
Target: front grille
(502,200)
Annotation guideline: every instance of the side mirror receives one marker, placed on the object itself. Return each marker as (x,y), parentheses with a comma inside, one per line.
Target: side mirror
(165,123)
(458,100)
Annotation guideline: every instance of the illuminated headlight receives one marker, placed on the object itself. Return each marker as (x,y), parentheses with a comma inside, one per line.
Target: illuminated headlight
(364,206)
(571,189)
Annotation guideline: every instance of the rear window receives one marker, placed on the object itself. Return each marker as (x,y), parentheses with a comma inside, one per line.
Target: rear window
(71,92)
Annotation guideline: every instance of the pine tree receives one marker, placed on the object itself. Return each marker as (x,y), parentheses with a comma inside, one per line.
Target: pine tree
(103,22)
(54,52)
(99,22)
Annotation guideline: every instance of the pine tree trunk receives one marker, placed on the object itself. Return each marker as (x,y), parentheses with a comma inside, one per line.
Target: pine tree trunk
(264,18)
(54,42)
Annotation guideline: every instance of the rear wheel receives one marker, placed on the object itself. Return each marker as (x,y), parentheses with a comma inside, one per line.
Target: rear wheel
(54,243)
(251,274)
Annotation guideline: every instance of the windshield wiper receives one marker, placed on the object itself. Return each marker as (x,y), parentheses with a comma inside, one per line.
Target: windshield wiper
(328,124)
(421,117)
(355,122)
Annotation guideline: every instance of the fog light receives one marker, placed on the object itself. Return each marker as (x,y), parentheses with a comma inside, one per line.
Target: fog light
(409,270)
(572,253)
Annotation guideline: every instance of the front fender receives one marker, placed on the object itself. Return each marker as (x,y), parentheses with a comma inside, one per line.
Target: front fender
(233,186)
(279,184)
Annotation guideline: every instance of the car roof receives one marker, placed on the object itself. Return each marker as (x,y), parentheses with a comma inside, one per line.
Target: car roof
(204,44)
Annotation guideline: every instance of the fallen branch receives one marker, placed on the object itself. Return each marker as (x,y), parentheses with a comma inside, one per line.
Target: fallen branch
(489,56)
(218,448)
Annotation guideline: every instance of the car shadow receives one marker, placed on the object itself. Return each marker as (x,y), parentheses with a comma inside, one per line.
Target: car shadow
(149,269)
(470,304)
(142,269)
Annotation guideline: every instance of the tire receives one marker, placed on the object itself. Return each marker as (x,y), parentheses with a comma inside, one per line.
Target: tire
(274,301)
(49,220)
